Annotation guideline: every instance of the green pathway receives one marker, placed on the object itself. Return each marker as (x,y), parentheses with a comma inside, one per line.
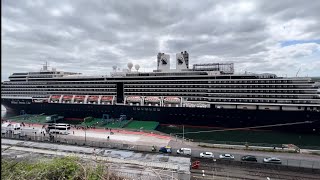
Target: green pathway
(143,125)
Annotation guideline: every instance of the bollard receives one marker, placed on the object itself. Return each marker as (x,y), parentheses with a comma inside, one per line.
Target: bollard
(203,175)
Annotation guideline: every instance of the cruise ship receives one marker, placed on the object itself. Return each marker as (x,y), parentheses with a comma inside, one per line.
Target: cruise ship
(209,95)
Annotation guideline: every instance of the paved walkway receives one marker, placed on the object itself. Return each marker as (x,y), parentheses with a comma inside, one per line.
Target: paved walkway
(150,138)
(115,135)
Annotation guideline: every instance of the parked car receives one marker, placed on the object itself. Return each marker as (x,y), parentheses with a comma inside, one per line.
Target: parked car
(165,149)
(272,160)
(206,155)
(249,158)
(226,156)
(184,151)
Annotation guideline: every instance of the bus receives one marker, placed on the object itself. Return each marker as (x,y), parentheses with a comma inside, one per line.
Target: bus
(59,128)
(11,128)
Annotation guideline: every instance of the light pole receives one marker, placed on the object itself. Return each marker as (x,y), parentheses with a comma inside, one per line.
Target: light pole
(55,129)
(182,133)
(85,131)
(214,166)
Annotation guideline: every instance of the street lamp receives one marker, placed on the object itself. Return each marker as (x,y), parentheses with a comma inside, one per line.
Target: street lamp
(214,166)
(182,133)
(55,129)
(85,131)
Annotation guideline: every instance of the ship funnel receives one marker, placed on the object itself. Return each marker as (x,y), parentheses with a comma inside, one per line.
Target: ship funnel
(182,60)
(163,62)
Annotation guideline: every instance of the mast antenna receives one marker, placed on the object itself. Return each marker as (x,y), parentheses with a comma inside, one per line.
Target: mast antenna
(298,72)
(45,66)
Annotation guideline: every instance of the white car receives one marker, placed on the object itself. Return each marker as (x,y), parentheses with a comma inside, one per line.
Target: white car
(206,155)
(272,160)
(226,156)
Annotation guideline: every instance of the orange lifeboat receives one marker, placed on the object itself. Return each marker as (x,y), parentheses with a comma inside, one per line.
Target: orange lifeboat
(107,98)
(93,98)
(55,97)
(79,98)
(67,97)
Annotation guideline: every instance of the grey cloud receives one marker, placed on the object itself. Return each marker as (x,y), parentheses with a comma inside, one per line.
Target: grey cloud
(288,9)
(91,36)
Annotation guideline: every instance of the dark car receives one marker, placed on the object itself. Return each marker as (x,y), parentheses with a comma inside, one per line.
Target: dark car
(249,158)
(166,149)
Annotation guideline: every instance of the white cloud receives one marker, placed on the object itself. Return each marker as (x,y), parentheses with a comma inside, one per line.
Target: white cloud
(292,29)
(90,37)
(62,10)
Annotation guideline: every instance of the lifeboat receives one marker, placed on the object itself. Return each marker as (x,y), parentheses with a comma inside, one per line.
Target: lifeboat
(79,98)
(152,99)
(67,97)
(55,97)
(93,98)
(107,98)
(172,99)
(134,98)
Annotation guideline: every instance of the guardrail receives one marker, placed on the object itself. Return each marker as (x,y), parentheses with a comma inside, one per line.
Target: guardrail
(71,141)
(312,166)
(61,139)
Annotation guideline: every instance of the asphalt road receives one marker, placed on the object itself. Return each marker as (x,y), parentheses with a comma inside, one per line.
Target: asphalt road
(220,171)
(207,170)
(288,159)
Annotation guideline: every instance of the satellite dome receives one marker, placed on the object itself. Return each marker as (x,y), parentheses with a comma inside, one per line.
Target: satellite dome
(130,65)
(114,68)
(137,67)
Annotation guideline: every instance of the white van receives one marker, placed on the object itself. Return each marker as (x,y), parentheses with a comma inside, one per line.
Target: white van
(184,151)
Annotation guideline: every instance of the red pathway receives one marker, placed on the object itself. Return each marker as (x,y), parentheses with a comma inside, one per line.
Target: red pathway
(121,131)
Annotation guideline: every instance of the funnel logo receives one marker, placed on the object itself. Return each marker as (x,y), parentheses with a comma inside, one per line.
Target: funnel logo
(180,60)
(164,61)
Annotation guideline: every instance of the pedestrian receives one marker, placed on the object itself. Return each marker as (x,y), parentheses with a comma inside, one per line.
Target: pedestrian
(73,132)
(108,137)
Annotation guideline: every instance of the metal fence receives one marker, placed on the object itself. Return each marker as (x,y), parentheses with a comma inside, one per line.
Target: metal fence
(206,141)
(61,139)
(146,173)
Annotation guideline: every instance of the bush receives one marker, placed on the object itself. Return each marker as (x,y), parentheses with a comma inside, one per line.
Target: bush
(58,168)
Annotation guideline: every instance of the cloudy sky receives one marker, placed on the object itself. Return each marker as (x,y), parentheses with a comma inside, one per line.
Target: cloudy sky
(92,36)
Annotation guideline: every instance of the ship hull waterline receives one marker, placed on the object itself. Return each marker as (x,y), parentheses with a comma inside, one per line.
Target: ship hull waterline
(292,121)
